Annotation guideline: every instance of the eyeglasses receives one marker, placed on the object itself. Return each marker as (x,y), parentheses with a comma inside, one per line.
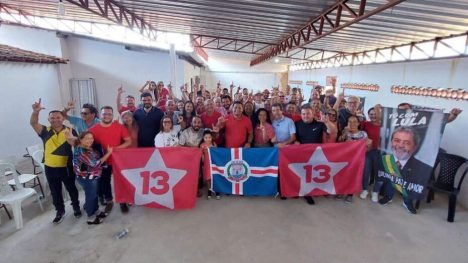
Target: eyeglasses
(167,121)
(331,114)
(85,113)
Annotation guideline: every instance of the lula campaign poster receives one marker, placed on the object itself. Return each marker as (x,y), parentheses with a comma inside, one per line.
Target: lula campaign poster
(409,143)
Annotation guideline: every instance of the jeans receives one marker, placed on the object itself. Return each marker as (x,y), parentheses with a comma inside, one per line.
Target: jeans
(90,187)
(370,168)
(104,185)
(55,177)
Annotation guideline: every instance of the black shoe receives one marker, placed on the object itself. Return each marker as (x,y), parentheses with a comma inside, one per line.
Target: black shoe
(59,217)
(283,198)
(309,200)
(409,206)
(124,208)
(109,207)
(101,215)
(95,221)
(385,200)
(77,213)
(208,194)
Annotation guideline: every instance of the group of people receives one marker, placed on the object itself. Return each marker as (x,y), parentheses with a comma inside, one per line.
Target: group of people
(203,119)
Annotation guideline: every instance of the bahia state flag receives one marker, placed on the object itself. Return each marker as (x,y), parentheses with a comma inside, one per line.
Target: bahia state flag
(239,171)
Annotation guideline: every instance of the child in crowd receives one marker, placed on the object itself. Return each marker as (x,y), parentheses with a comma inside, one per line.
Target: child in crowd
(207,142)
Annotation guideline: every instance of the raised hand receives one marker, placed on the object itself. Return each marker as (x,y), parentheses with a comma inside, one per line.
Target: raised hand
(215,128)
(120,90)
(70,105)
(110,149)
(37,106)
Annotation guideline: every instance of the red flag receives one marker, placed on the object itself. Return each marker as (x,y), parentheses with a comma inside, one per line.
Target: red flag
(322,169)
(157,177)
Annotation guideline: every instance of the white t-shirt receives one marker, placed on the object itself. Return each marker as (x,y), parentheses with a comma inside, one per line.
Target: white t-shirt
(168,139)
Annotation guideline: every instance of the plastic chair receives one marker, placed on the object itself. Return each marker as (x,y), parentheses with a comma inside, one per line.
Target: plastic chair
(30,151)
(23,178)
(450,172)
(14,198)
(37,158)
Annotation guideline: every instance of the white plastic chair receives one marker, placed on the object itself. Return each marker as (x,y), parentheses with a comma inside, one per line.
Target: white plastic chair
(14,198)
(23,178)
(30,150)
(37,157)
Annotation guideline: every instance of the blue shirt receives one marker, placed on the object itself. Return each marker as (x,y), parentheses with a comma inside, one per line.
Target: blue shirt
(148,125)
(284,129)
(80,125)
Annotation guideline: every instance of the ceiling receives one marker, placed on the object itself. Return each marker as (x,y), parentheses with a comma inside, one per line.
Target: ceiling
(267,22)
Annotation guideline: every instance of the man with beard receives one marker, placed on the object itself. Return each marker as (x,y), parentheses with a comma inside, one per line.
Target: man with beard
(149,120)
(226,101)
(404,142)
(109,133)
(130,101)
(351,108)
(57,159)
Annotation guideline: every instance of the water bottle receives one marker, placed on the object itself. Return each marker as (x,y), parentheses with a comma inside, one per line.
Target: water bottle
(122,233)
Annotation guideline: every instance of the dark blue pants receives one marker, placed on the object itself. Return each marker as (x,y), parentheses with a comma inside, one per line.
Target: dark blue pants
(104,184)
(90,187)
(55,177)
(370,168)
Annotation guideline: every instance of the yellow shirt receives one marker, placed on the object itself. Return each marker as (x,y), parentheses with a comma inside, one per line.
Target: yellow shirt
(57,151)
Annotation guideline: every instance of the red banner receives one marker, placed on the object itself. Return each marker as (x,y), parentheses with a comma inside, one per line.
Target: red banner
(157,177)
(322,169)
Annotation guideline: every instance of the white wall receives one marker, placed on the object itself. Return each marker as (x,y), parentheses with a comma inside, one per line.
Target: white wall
(239,71)
(447,73)
(111,65)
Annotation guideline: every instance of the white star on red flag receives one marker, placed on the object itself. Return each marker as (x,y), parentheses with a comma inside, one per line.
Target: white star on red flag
(160,181)
(317,173)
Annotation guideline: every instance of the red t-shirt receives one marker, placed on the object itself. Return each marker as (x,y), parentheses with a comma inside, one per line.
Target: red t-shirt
(295,117)
(373,132)
(125,108)
(237,131)
(209,121)
(162,98)
(111,136)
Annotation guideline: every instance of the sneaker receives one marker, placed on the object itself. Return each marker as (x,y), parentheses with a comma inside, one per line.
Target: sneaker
(218,196)
(348,199)
(283,198)
(77,213)
(364,194)
(95,221)
(409,206)
(375,197)
(309,200)
(385,200)
(101,214)
(338,197)
(208,195)
(59,217)
(124,208)
(109,207)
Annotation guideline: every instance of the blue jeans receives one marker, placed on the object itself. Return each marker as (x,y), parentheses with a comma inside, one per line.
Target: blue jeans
(90,187)
(370,167)
(104,186)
